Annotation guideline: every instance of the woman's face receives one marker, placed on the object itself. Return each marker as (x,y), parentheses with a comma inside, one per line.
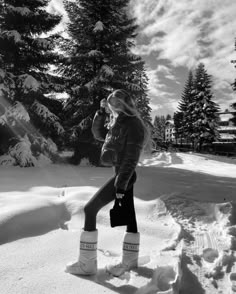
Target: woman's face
(114,104)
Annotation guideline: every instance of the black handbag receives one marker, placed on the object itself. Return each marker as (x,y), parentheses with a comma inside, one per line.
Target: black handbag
(120,214)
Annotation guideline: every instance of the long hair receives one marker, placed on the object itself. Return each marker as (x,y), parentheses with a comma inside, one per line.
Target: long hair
(122,102)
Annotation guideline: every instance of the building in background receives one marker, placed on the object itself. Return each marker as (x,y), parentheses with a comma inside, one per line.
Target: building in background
(169,131)
(227,129)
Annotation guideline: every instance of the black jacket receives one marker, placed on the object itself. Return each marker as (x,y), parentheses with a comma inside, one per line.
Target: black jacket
(122,145)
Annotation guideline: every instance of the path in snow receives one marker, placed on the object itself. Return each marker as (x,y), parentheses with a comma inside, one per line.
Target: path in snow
(209,244)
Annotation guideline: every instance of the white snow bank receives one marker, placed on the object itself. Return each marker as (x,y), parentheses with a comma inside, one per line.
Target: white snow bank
(35,201)
(193,162)
(26,213)
(30,215)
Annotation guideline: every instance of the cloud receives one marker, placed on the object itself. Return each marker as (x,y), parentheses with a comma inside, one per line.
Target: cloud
(155,85)
(167,73)
(182,34)
(193,31)
(163,68)
(161,100)
(226,99)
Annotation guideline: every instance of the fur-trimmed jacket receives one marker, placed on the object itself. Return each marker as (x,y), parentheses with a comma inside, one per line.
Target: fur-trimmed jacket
(122,146)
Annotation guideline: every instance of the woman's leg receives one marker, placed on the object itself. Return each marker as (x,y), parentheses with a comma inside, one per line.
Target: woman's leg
(87,262)
(129,201)
(130,248)
(101,198)
(129,198)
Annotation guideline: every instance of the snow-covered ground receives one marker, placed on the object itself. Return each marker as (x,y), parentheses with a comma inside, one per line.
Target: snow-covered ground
(186,218)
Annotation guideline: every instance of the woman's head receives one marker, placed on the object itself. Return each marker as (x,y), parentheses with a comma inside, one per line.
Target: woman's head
(119,101)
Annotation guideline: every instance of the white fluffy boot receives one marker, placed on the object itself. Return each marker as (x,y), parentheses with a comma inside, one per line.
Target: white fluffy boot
(87,263)
(130,255)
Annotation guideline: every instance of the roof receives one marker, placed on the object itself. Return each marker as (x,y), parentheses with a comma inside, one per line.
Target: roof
(169,121)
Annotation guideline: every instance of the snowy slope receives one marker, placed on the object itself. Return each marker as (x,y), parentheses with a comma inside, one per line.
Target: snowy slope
(176,196)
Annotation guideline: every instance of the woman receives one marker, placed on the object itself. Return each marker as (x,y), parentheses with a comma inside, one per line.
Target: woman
(123,143)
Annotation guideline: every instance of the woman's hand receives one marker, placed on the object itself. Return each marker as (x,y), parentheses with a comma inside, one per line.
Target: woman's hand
(104,104)
(120,195)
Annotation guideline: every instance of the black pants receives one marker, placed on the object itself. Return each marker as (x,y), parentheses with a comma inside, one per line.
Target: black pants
(105,195)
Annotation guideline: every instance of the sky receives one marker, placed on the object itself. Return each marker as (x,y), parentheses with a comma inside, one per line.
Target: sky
(174,36)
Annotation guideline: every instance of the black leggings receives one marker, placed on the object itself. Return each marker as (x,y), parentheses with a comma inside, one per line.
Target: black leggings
(105,195)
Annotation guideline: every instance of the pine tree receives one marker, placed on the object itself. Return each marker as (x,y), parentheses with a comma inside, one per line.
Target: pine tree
(141,98)
(156,129)
(98,59)
(163,126)
(186,96)
(178,122)
(203,110)
(28,118)
(158,133)
(183,118)
(168,117)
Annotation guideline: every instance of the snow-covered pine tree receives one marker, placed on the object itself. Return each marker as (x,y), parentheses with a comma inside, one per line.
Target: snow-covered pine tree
(204,111)
(185,126)
(141,97)
(158,133)
(178,122)
(28,117)
(156,129)
(163,126)
(186,95)
(142,102)
(98,59)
